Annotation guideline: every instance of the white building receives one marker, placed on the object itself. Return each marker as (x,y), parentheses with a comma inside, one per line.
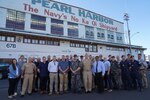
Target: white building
(40,28)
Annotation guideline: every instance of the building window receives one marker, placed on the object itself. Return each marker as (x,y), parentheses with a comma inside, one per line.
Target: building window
(38,22)
(110,36)
(34,41)
(10,39)
(72,45)
(26,40)
(2,38)
(119,37)
(94,48)
(78,45)
(73,29)
(15,19)
(89,32)
(91,48)
(43,42)
(115,49)
(100,33)
(51,42)
(56,43)
(82,45)
(87,48)
(57,27)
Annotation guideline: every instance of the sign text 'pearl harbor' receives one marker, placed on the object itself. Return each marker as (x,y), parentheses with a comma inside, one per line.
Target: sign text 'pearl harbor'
(79,15)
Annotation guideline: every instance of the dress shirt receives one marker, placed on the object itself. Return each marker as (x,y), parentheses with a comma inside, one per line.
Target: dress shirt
(107,65)
(53,67)
(98,68)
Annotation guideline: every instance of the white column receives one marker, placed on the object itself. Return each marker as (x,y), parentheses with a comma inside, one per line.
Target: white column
(106,36)
(48,25)
(95,33)
(115,40)
(27,21)
(65,28)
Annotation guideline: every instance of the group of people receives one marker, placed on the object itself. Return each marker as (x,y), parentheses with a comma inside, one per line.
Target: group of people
(88,73)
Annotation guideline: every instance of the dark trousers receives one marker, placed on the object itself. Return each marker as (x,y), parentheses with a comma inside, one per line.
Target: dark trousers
(48,82)
(37,82)
(17,82)
(69,80)
(99,82)
(76,82)
(126,79)
(43,81)
(12,84)
(108,82)
(21,83)
(136,80)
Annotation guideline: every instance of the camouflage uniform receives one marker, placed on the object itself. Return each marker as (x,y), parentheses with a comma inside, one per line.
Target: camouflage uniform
(76,78)
(116,74)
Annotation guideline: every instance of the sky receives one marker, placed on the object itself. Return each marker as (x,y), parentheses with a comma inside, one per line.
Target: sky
(138,10)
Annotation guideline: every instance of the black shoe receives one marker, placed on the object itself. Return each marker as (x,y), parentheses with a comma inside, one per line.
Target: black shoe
(89,91)
(86,92)
(74,91)
(22,96)
(65,91)
(61,93)
(141,90)
(29,93)
(79,92)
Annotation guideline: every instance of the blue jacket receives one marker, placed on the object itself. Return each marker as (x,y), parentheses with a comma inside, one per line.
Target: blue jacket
(12,73)
(43,67)
(124,67)
(135,66)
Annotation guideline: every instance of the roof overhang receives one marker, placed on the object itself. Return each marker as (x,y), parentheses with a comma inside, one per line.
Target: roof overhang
(22,32)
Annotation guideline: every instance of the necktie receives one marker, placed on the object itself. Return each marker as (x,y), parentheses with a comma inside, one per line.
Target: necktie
(54,63)
(96,66)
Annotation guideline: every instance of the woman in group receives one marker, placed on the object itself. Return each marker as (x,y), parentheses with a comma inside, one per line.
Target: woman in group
(12,76)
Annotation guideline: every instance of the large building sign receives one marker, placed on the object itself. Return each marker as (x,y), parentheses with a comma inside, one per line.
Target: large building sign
(66,12)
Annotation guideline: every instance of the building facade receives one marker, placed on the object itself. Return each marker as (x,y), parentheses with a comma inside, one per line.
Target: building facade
(43,27)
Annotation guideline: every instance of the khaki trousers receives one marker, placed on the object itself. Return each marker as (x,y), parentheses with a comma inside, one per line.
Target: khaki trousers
(87,79)
(53,79)
(144,78)
(63,82)
(27,83)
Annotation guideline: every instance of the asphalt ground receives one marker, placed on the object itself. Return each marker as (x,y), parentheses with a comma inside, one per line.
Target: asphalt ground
(114,95)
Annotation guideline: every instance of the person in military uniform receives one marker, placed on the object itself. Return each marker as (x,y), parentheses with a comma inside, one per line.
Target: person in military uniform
(143,69)
(119,75)
(28,73)
(87,74)
(75,75)
(115,72)
(135,73)
(125,73)
(81,70)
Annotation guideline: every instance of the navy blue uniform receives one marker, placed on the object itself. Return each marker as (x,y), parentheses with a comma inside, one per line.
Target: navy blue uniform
(125,73)
(135,74)
(43,67)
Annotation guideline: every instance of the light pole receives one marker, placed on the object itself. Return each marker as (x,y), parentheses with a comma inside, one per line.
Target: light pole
(126,18)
